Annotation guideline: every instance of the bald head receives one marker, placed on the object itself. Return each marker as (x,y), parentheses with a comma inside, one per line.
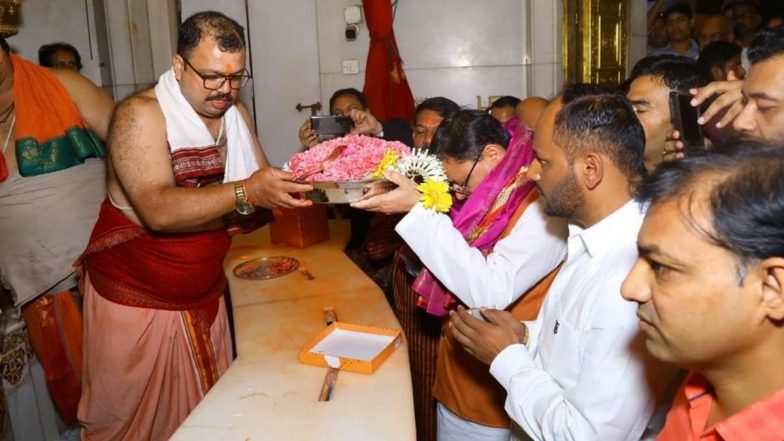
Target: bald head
(529,110)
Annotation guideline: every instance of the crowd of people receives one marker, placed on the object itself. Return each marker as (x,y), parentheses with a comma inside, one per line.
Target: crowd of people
(597,278)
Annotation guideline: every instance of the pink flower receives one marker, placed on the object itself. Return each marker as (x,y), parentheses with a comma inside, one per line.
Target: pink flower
(356,163)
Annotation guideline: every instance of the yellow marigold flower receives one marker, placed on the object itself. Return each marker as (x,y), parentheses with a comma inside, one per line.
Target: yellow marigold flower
(435,195)
(389,160)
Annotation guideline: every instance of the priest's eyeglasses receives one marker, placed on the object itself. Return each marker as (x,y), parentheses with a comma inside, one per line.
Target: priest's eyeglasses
(215,82)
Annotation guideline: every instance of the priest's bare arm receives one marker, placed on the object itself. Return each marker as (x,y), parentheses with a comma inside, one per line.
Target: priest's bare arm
(93,103)
(141,176)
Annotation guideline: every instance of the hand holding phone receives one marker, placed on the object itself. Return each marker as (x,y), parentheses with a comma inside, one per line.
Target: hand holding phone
(684,120)
(330,124)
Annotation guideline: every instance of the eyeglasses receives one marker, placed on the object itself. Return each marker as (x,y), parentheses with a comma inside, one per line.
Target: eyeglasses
(463,189)
(215,82)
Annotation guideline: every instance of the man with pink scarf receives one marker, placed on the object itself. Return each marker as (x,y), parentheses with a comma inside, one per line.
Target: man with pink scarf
(494,246)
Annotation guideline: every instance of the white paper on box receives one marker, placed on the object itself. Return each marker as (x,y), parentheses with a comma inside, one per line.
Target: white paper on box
(352,344)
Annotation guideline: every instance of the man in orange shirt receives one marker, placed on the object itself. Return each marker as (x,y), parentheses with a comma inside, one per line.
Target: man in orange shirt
(709,282)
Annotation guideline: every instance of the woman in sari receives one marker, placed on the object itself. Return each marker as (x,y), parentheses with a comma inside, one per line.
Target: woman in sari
(496,247)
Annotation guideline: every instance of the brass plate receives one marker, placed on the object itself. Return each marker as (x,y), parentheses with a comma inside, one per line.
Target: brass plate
(264,268)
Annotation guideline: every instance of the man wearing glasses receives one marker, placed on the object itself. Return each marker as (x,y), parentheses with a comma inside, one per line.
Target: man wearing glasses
(184,167)
(496,248)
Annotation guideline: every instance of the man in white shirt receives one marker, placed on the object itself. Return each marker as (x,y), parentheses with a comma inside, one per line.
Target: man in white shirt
(579,371)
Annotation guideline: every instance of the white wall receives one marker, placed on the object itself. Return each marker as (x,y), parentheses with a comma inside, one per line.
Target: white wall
(47,21)
(638,33)
(460,49)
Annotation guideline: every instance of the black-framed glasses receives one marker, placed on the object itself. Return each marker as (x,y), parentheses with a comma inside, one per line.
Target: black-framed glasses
(463,189)
(215,82)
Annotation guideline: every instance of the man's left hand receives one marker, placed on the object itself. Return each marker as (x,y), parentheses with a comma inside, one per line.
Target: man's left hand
(486,339)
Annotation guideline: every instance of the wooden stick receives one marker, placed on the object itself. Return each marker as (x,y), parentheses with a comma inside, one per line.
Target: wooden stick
(329,383)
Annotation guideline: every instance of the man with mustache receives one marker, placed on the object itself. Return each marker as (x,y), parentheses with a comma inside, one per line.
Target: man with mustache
(579,370)
(709,284)
(184,168)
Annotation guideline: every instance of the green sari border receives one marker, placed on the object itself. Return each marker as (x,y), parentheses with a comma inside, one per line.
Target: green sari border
(75,146)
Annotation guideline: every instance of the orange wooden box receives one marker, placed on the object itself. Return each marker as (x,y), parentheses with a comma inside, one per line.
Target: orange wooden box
(355,339)
(299,227)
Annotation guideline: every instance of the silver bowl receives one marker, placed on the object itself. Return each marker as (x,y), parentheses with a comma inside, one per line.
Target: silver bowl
(344,192)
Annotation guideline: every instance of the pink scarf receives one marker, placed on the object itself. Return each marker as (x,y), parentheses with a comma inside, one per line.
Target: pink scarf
(484,215)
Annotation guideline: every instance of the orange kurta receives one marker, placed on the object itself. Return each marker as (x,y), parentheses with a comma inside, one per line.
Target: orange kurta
(463,384)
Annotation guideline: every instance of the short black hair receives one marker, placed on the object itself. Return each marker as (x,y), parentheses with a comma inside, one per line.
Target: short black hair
(602,121)
(677,73)
(505,101)
(769,43)
(46,51)
(4,45)
(718,54)
(464,135)
(678,8)
(734,4)
(444,107)
(348,91)
(573,91)
(743,183)
(226,32)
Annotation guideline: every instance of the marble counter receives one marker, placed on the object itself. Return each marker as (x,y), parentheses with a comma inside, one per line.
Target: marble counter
(267,394)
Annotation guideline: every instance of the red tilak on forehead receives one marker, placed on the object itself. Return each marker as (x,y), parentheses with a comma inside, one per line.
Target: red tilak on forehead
(229,68)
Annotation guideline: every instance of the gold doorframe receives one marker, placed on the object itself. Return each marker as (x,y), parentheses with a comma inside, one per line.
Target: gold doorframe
(595,41)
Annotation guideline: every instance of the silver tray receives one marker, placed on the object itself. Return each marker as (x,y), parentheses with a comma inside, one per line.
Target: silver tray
(344,192)
(264,268)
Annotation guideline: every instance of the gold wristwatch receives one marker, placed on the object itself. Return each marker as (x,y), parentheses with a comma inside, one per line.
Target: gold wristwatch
(242,205)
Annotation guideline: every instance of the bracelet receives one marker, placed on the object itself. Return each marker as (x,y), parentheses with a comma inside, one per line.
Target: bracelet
(524,340)
(247,194)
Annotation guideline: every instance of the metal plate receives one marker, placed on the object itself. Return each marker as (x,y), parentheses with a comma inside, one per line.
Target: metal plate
(264,268)
(343,192)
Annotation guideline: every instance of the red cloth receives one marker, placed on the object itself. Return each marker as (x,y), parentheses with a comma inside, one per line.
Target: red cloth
(386,88)
(54,324)
(686,421)
(134,267)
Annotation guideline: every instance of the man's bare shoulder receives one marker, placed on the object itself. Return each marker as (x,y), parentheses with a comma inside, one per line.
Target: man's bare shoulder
(142,106)
(136,115)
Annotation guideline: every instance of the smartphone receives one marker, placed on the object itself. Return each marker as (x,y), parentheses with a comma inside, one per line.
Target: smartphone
(684,119)
(330,125)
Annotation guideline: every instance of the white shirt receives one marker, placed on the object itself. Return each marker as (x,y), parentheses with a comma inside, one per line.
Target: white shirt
(534,247)
(578,379)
